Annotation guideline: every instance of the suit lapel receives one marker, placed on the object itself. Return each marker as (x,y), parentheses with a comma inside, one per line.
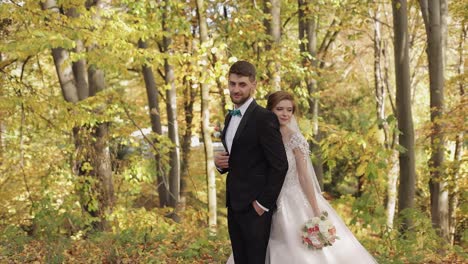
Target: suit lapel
(223,133)
(244,120)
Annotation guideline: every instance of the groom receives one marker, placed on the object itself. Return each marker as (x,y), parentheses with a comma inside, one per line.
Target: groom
(256,164)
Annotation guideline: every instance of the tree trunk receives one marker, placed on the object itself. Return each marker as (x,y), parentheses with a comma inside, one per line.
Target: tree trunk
(2,130)
(444,30)
(437,183)
(406,189)
(459,149)
(90,142)
(308,35)
(276,35)
(103,171)
(171,108)
(379,83)
(221,87)
(210,169)
(189,100)
(267,22)
(318,62)
(80,72)
(153,103)
(392,188)
(102,159)
(2,126)
(273,27)
(61,56)
(65,75)
(380,86)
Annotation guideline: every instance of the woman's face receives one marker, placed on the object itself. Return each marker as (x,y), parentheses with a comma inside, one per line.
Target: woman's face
(284,111)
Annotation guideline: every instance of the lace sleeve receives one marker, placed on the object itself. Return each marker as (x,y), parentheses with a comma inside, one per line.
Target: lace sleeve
(305,172)
(300,143)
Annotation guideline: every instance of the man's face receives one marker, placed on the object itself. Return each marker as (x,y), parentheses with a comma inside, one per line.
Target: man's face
(240,88)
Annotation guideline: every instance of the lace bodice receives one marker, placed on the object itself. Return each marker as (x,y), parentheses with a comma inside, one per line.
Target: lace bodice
(297,141)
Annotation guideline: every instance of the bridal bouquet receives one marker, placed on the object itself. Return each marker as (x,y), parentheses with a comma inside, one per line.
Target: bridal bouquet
(319,232)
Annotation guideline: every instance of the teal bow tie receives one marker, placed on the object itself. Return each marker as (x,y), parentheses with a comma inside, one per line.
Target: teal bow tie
(235,112)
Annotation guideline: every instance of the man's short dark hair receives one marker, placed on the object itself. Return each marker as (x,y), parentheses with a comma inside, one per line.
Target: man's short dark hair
(243,68)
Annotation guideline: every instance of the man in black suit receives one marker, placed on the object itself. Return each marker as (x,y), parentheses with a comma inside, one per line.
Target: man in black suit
(256,164)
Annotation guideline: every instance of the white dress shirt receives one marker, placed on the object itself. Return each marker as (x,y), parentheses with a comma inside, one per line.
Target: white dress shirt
(234,123)
(232,129)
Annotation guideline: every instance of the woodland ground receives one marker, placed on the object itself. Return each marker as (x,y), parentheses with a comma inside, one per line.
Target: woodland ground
(142,234)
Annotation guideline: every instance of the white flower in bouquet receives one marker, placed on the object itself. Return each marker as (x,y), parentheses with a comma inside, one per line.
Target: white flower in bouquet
(319,232)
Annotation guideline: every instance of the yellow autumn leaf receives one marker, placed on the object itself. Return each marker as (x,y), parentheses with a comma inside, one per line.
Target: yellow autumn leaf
(361,169)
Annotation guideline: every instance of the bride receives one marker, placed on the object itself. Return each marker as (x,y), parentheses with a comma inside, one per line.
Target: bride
(300,200)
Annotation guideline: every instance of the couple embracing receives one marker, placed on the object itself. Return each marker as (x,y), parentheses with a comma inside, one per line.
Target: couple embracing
(271,188)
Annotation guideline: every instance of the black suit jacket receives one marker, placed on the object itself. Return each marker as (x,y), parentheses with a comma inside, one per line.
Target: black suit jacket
(257,161)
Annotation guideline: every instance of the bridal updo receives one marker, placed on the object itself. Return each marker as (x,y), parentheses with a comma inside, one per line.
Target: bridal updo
(276,97)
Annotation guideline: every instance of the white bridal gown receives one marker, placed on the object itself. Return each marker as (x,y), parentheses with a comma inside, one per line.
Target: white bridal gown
(285,245)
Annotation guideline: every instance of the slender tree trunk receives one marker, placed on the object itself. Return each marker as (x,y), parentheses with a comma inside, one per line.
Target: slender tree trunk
(220,86)
(2,131)
(267,22)
(392,188)
(272,8)
(318,62)
(444,30)
(276,35)
(437,184)
(189,100)
(454,196)
(308,43)
(313,88)
(459,149)
(171,106)
(380,83)
(210,169)
(406,189)
(2,126)
(155,117)
(390,139)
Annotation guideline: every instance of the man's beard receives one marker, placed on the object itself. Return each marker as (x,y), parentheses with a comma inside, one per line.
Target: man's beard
(241,100)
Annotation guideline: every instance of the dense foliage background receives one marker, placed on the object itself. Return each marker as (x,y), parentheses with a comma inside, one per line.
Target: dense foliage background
(103,103)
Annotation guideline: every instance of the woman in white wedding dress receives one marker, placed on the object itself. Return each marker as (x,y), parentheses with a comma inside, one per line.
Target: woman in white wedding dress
(300,200)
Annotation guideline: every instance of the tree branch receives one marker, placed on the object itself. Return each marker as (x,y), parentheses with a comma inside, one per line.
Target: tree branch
(325,38)
(289,19)
(425,14)
(21,162)
(23,67)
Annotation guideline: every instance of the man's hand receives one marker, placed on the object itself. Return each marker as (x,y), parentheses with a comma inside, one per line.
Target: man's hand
(257,208)
(222,160)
